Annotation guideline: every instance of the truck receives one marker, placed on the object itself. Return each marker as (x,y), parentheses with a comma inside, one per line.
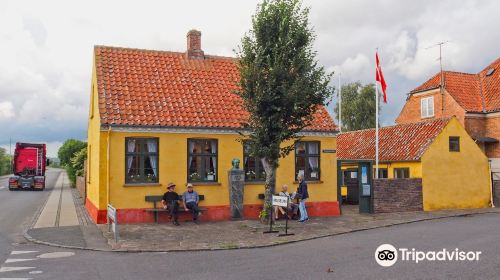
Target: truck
(28,166)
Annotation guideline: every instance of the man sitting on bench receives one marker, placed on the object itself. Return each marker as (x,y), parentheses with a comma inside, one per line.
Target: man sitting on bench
(170,202)
(191,200)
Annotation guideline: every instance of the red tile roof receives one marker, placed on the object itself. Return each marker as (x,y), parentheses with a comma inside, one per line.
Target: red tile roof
(471,91)
(404,142)
(159,88)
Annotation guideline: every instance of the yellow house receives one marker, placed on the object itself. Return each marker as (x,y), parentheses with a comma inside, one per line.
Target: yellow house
(453,171)
(158,117)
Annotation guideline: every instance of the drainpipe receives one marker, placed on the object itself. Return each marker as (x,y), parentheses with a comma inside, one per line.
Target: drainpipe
(491,184)
(107,172)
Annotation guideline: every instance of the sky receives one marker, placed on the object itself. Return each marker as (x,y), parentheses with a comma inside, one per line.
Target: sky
(46,48)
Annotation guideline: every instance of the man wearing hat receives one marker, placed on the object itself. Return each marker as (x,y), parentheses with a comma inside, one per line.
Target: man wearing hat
(170,202)
(190,198)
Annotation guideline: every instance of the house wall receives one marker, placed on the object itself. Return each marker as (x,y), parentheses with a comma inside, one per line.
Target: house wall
(411,110)
(172,166)
(415,167)
(455,179)
(96,159)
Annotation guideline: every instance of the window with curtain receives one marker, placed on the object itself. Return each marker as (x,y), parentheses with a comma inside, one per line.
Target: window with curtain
(307,160)
(254,170)
(141,160)
(401,173)
(202,160)
(382,173)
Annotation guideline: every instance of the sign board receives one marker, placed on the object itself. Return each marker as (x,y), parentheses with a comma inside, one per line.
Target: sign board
(329,151)
(112,222)
(366,190)
(280,201)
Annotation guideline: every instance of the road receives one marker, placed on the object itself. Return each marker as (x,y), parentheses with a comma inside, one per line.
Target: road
(349,256)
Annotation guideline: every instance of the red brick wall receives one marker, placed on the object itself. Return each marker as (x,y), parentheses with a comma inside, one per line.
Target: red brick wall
(397,195)
(411,111)
(493,130)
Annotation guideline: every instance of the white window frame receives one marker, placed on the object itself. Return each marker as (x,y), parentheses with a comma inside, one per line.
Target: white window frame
(427,107)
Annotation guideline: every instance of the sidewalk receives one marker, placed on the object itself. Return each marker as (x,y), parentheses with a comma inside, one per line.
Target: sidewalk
(63,220)
(249,233)
(210,235)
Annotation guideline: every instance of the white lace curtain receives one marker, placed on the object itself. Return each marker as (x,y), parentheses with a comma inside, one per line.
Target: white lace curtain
(313,161)
(130,149)
(152,149)
(191,150)
(213,146)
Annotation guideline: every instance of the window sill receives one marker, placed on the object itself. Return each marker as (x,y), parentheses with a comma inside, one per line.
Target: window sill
(309,182)
(142,185)
(205,183)
(255,183)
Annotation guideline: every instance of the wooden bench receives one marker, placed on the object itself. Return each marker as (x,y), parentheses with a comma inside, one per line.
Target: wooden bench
(156,211)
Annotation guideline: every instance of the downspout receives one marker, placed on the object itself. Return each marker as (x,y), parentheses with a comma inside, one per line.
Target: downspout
(107,172)
(491,184)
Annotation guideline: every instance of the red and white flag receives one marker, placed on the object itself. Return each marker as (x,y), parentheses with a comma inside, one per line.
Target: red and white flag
(380,77)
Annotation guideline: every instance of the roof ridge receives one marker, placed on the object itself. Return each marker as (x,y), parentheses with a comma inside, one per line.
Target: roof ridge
(160,51)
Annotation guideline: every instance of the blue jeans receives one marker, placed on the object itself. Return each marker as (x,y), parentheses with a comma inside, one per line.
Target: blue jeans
(302,209)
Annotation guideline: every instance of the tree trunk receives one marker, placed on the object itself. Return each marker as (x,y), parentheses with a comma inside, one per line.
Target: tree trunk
(270,187)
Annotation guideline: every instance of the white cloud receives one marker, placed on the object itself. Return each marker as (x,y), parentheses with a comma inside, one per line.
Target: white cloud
(46,49)
(6,110)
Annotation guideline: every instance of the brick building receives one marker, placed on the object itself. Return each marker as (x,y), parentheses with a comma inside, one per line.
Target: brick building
(473,98)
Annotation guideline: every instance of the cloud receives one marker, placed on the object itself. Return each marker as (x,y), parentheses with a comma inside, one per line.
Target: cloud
(46,49)
(6,110)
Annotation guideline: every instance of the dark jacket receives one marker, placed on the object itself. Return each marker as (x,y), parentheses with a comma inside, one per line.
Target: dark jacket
(302,190)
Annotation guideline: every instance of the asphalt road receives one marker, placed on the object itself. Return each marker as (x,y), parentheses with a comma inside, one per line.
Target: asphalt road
(349,256)
(17,209)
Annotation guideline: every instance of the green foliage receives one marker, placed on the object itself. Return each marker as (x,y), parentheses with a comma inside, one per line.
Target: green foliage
(358,107)
(68,149)
(281,83)
(77,161)
(72,157)
(5,162)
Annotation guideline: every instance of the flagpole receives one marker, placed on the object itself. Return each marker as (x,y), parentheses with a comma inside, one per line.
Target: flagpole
(376,125)
(340,106)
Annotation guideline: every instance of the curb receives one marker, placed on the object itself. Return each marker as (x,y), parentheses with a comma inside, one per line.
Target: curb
(30,238)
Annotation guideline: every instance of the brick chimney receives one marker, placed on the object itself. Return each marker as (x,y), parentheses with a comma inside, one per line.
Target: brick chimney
(194,50)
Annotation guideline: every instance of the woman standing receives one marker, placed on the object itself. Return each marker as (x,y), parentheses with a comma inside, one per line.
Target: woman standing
(303,195)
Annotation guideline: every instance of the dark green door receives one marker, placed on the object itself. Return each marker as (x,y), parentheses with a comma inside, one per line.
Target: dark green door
(365,183)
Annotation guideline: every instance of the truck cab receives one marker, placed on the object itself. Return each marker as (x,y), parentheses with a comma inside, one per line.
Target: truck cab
(29,164)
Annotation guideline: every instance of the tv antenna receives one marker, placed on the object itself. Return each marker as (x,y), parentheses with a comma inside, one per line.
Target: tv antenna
(440,44)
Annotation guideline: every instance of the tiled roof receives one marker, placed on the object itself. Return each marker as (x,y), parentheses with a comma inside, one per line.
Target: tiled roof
(469,90)
(167,89)
(404,142)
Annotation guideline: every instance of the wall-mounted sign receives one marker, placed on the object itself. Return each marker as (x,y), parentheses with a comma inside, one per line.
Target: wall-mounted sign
(329,151)
(365,190)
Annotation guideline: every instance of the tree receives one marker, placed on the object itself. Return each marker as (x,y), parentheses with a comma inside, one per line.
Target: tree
(4,162)
(281,83)
(358,106)
(68,149)
(77,161)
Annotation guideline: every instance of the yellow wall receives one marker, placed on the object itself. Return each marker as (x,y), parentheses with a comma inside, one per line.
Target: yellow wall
(173,168)
(415,167)
(93,131)
(455,179)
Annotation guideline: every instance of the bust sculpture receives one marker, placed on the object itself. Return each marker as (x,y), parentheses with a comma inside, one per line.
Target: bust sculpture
(236,163)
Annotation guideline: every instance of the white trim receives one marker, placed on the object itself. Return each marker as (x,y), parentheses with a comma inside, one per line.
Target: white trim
(182,130)
(427,101)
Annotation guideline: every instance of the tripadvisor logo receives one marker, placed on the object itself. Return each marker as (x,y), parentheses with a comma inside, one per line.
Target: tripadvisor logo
(387,255)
